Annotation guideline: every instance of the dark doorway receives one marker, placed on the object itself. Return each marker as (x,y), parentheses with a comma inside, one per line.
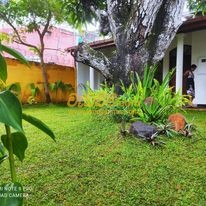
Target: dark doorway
(186,64)
(159,72)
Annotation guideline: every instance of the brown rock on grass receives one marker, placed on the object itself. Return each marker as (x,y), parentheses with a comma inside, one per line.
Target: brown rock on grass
(178,121)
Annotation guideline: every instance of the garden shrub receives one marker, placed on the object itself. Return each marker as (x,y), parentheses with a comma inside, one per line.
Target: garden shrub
(35,91)
(100,102)
(147,100)
(58,86)
(165,101)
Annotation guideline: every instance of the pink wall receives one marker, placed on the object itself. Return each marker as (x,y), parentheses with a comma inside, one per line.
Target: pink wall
(58,40)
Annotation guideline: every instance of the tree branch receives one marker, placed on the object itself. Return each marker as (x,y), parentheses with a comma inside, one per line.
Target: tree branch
(118,14)
(95,59)
(18,36)
(54,49)
(42,34)
(165,27)
(102,16)
(104,23)
(47,23)
(140,24)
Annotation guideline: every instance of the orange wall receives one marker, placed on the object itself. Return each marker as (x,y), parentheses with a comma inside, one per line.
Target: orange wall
(18,72)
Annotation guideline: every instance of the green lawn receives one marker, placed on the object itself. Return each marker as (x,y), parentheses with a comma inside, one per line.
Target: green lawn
(91,164)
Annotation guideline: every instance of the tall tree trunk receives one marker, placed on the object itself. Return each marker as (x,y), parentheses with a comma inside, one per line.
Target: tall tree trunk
(45,79)
(43,65)
(142,31)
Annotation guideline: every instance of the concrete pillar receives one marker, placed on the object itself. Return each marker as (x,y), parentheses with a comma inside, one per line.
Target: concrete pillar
(179,65)
(77,82)
(91,78)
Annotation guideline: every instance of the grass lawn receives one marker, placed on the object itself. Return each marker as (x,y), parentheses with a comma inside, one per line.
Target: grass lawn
(91,164)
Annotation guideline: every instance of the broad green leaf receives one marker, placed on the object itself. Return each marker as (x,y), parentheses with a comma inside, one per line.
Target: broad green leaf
(3,69)
(11,194)
(39,124)
(34,90)
(32,86)
(15,54)
(52,87)
(10,110)
(19,143)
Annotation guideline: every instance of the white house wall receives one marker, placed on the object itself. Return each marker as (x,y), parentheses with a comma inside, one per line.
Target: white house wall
(197,40)
(84,76)
(96,80)
(198,45)
(198,58)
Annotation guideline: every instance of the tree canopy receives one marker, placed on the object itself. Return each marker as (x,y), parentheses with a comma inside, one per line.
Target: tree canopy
(33,16)
(198,6)
(80,12)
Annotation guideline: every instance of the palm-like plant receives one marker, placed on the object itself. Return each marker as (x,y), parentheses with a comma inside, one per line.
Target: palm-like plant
(34,92)
(60,86)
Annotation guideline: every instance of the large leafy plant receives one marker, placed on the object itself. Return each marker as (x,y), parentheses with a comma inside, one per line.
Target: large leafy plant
(14,140)
(60,86)
(134,96)
(34,92)
(164,100)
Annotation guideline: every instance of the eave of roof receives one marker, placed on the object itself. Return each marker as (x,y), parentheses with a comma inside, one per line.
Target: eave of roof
(96,44)
(195,24)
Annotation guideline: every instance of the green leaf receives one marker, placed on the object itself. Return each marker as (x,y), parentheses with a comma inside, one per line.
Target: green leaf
(14,88)
(3,156)
(15,54)
(69,87)
(1,149)
(19,143)
(10,110)
(34,90)
(39,124)
(11,194)
(3,69)
(52,86)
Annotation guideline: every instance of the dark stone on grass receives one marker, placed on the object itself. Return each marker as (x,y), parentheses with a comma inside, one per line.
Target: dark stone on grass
(143,130)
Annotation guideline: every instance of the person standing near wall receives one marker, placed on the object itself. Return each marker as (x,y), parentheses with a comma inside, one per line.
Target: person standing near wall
(190,84)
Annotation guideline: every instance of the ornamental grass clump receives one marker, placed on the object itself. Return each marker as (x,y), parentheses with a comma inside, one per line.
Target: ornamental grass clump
(164,100)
